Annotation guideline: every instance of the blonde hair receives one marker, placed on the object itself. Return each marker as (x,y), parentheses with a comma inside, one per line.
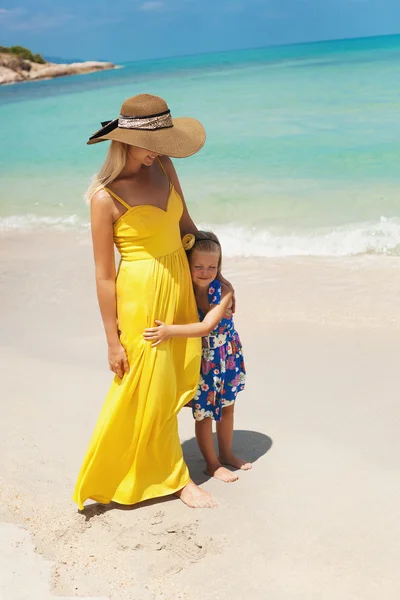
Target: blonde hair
(114,163)
(206,241)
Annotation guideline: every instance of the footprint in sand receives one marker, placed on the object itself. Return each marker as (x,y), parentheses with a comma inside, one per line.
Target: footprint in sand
(183,543)
(130,539)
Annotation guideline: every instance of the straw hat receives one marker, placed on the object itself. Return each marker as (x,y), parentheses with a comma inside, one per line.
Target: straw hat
(145,121)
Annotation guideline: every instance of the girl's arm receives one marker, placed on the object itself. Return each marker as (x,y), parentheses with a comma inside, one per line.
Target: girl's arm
(186,224)
(163,332)
(101,216)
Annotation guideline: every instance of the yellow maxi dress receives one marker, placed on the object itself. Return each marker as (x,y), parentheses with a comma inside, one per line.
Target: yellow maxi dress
(135,453)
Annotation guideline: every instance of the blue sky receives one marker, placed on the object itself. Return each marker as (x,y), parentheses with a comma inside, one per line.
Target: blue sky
(137,29)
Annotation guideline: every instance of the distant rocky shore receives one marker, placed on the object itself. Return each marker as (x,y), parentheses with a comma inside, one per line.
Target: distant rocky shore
(14,69)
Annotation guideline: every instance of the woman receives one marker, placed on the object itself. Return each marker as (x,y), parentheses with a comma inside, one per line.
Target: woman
(137,203)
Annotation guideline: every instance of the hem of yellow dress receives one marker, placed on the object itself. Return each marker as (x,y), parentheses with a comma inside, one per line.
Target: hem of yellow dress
(151,496)
(103,500)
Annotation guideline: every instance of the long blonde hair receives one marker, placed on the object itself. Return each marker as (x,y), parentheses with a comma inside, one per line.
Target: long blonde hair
(114,163)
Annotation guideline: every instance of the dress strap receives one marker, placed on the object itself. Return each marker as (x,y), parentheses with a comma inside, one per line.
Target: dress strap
(163,169)
(214,292)
(114,195)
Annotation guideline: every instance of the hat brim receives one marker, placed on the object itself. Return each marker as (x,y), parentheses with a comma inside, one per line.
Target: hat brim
(186,137)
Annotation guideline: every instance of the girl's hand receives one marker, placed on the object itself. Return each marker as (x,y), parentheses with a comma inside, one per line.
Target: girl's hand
(118,360)
(230,286)
(158,334)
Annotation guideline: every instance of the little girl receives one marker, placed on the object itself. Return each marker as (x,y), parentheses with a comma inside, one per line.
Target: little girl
(222,367)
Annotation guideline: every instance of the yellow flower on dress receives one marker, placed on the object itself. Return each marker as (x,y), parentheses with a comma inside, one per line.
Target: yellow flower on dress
(188,241)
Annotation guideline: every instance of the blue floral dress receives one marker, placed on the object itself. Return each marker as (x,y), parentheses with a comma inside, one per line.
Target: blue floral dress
(222,366)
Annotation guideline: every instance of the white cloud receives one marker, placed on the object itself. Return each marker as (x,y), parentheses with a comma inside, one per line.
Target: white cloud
(42,21)
(19,19)
(6,14)
(151,5)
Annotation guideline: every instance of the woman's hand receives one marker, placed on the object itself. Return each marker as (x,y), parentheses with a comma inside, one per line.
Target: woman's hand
(231,289)
(118,360)
(158,334)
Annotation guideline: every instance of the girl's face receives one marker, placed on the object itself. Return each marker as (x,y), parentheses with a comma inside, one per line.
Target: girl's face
(203,267)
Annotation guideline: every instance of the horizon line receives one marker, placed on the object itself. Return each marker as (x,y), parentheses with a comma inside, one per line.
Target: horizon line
(244,49)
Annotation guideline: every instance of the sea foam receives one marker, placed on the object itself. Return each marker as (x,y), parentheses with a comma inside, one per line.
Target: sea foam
(382,237)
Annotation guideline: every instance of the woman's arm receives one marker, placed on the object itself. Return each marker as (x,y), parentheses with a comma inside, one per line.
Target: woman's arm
(224,281)
(186,224)
(101,216)
(163,332)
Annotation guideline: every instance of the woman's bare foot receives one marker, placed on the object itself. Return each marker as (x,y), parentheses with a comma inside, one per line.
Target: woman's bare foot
(220,472)
(195,497)
(234,461)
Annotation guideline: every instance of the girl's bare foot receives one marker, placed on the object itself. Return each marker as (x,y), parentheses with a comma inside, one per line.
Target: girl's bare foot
(195,497)
(220,472)
(234,461)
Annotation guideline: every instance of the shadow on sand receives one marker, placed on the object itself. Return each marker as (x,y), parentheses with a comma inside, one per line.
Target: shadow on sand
(250,445)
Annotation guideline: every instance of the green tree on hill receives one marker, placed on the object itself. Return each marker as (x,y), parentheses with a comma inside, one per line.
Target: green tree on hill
(23,53)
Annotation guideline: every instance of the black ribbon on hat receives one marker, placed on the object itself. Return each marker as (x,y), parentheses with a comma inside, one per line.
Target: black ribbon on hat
(106,127)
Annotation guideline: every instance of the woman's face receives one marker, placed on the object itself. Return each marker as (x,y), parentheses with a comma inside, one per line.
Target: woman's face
(142,156)
(203,267)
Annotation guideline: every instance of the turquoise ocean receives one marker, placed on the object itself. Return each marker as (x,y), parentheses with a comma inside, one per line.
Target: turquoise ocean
(302,154)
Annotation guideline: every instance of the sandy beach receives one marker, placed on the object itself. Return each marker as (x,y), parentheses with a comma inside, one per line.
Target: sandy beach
(318,515)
